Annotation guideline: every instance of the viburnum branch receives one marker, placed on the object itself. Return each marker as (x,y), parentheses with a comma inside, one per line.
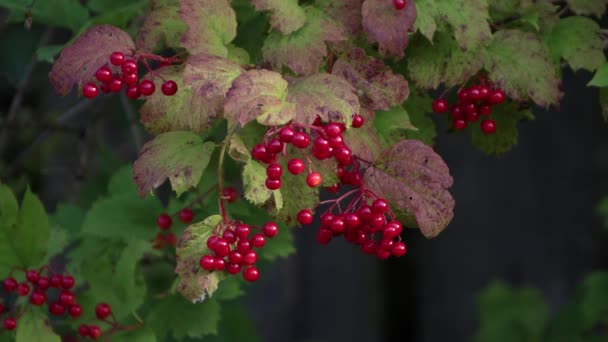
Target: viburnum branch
(220,175)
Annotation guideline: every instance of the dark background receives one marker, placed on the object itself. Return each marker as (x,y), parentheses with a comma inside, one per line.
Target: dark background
(527,217)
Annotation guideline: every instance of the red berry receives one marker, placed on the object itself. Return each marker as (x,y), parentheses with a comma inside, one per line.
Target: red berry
(485,110)
(129,67)
(67,298)
(365,213)
(229,236)
(211,241)
(496,97)
(242,230)
(115,84)
(56,280)
(295,166)
(75,310)
(258,240)
(83,330)
(67,282)
(343,155)
(382,254)
(463,96)
(235,257)
(327,219)
(305,217)
(456,112)
(130,79)
(314,179)
(324,236)
(37,298)
(1,308)
(368,247)
(459,124)
(164,221)
(103,74)
(117,58)
(270,229)
(300,140)
(103,310)
(169,88)
(399,249)
(380,206)
(259,152)
(105,88)
(221,248)
(219,264)
(474,94)
(43,283)
(352,221)
(332,189)
(317,122)
(389,231)
(233,268)
(275,146)
(90,90)
(286,134)
(484,92)
(274,171)
(186,215)
(231,195)
(336,142)
(337,225)
(399,4)
(170,239)
(488,126)
(251,274)
(273,184)
(250,258)
(133,92)
(32,276)
(146,87)
(471,117)
(94,332)
(10,323)
(23,289)
(333,130)
(377,222)
(358,121)
(243,246)
(56,309)
(207,262)
(468,108)
(440,106)
(321,144)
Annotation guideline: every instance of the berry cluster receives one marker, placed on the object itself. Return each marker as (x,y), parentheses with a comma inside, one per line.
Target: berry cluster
(399,4)
(473,102)
(328,143)
(232,248)
(164,222)
(121,72)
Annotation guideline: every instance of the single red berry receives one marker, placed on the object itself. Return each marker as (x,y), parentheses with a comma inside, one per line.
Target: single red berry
(221,248)
(164,221)
(117,58)
(251,274)
(219,264)
(90,90)
(399,4)
(75,310)
(250,257)
(321,144)
(67,282)
(116,84)
(343,155)
(485,110)
(380,206)
(463,96)
(274,171)
(207,262)
(270,229)
(332,189)
(484,92)
(354,178)
(231,194)
(456,112)
(496,97)
(459,124)
(305,217)
(94,332)
(295,166)
(317,122)
(243,246)
(186,215)
(327,219)
(235,257)
(365,213)
(368,247)
(259,152)
(399,249)
(336,142)
(10,323)
(129,67)
(23,289)
(56,280)
(269,158)
(9,284)
(324,236)
(300,140)
(333,130)
(103,74)
(242,230)
(56,309)
(468,108)
(211,241)
(275,146)
(358,121)
(83,330)
(133,92)
(377,221)
(471,117)
(229,236)
(37,298)
(389,231)
(169,88)
(233,268)
(146,87)
(337,225)
(314,179)
(258,240)
(286,134)
(103,310)
(170,239)
(382,254)
(105,88)
(351,221)
(273,184)
(130,79)
(43,283)
(474,94)
(32,276)
(440,106)
(488,126)
(67,298)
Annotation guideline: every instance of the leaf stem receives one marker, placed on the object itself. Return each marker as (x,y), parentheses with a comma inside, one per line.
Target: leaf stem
(220,174)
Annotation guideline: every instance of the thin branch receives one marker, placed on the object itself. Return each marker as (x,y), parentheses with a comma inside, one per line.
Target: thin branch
(138,138)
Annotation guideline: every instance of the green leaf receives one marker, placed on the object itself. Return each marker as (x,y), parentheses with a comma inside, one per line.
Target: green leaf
(286,16)
(304,50)
(180,156)
(443,61)
(120,15)
(414,179)
(417,106)
(388,27)
(588,7)
(425,18)
(30,237)
(139,335)
(121,181)
(127,282)
(238,55)
(33,327)
(235,315)
(537,81)
(508,314)
(254,177)
(600,79)
(296,196)
(63,13)
(48,53)
(69,217)
(578,40)
(211,26)
(594,302)
(377,85)
(161,27)
(259,95)
(328,96)
(196,284)
(182,319)
(58,241)
(468,19)
(390,125)
(507,116)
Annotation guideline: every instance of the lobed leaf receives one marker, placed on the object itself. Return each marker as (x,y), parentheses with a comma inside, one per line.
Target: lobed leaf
(79,61)
(345,12)
(161,27)
(391,125)
(414,179)
(417,107)
(378,87)
(180,156)
(507,116)
(211,26)
(600,79)
(388,27)
(578,40)
(425,18)
(468,19)
(286,16)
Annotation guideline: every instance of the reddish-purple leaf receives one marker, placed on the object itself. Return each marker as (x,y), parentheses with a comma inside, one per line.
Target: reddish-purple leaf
(161,27)
(259,95)
(211,26)
(414,179)
(388,27)
(346,12)
(285,15)
(325,95)
(79,61)
(381,88)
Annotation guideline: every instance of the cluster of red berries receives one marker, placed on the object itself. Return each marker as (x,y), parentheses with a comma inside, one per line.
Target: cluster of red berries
(328,142)
(473,102)
(232,248)
(399,4)
(121,73)
(102,311)
(164,222)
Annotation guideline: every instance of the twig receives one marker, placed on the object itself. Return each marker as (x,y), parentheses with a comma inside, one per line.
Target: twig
(138,138)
